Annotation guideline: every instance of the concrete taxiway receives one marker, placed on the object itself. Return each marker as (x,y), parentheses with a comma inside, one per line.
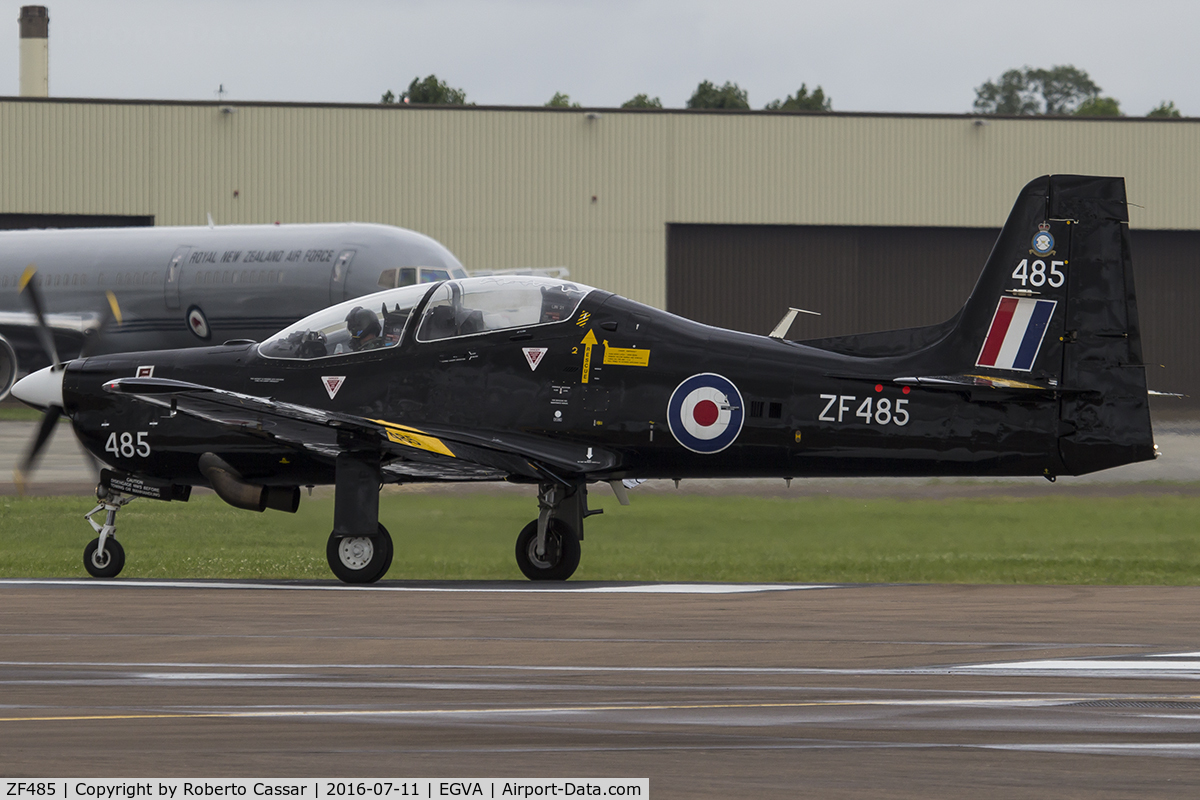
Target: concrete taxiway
(706,689)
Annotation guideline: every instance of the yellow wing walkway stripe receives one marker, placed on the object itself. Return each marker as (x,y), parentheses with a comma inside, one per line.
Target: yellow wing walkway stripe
(411,437)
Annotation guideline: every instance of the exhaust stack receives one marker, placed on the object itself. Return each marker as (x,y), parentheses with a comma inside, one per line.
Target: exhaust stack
(35,51)
(227,482)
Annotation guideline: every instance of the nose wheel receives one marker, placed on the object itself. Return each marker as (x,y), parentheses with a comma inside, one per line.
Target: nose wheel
(104,557)
(561,556)
(360,559)
(106,563)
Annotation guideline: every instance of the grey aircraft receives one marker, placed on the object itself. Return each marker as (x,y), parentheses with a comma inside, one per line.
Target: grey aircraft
(183,286)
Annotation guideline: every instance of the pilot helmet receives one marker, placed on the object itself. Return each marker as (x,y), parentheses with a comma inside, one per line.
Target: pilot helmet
(362,323)
(556,304)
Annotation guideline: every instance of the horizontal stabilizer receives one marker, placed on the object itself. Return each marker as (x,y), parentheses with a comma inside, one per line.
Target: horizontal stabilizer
(975,382)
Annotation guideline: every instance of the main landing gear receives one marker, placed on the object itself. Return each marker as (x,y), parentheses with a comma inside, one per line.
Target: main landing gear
(359,548)
(548,548)
(104,557)
(360,559)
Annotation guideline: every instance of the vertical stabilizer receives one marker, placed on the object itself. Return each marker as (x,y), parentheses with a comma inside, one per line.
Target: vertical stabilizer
(1055,305)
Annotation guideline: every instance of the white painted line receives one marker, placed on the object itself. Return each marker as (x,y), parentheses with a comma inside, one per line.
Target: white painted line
(1150,664)
(1172,655)
(1184,749)
(293,712)
(567,588)
(466,667)
(699,588)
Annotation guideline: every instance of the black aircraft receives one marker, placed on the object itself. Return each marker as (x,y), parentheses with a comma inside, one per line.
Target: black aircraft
(560,386)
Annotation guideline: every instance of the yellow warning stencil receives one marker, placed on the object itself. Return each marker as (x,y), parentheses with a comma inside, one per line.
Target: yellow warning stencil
(625,356)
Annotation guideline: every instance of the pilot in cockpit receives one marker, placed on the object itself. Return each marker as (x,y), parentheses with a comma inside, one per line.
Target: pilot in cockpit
(364,329)
(556,304)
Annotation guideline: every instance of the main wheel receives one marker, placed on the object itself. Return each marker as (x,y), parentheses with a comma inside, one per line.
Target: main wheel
(108,565)
(561,557)
(360,559)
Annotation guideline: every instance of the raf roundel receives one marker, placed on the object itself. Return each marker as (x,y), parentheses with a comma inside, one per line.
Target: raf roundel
(705,413)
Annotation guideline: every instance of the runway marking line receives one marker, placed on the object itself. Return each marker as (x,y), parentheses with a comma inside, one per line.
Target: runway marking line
(646,588)
(1166,664)
(1023,702)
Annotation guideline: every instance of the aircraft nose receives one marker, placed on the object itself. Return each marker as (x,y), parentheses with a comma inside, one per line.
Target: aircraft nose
(41,389)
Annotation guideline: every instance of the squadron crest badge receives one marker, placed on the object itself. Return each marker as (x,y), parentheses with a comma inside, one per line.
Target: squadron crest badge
(1043,241)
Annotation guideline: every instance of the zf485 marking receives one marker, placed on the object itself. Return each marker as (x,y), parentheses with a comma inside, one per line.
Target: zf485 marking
(872,412)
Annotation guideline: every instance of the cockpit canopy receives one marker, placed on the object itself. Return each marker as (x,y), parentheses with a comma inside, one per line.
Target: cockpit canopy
(454,308)
(480,305)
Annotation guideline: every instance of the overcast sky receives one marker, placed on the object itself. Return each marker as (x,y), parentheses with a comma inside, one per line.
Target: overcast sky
(917,56)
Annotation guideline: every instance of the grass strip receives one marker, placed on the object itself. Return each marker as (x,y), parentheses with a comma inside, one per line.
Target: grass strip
(17,412)
(661,537)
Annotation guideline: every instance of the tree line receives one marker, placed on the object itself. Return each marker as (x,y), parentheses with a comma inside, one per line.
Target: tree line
(1062,90)
(433,91)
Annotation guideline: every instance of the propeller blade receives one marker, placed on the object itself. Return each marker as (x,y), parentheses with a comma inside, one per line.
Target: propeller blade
(108,313)
(30,287)
(41,438)
(114,307)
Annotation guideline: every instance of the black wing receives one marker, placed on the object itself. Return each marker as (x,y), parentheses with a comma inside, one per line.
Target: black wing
(425,453)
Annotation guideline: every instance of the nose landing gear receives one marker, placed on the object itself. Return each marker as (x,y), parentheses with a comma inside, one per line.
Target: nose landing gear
(548,548)
(104,557)
(561,552)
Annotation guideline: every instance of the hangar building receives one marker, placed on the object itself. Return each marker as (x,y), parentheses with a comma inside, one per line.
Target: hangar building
(875,220)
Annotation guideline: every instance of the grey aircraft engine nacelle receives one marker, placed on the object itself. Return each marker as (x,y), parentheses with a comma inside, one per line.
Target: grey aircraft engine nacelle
(8,367)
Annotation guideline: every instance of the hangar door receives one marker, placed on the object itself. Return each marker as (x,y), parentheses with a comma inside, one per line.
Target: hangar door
(879,278)
(13,222)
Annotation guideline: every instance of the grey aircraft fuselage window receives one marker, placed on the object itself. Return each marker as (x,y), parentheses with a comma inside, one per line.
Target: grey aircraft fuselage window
(195,286)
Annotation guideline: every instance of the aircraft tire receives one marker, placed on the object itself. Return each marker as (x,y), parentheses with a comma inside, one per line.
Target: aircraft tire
(562,552)
(112,563)
(360,559)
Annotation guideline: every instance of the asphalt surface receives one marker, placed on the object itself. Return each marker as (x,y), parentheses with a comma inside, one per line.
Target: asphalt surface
(858,691)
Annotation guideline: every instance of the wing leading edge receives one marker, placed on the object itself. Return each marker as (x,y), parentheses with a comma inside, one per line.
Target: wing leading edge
(425,453)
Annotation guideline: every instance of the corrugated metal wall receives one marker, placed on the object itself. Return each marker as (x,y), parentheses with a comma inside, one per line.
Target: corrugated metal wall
(860,279)
(1166,270)
(515,187)
(874,278)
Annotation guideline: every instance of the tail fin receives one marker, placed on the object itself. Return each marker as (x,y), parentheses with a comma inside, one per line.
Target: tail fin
(1054,309)
(1056,303)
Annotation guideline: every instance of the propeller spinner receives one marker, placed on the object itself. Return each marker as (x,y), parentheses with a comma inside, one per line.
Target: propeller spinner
(44,389)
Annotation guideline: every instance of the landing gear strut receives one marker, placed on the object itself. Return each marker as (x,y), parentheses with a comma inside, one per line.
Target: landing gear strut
(104,557)
(360,548)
